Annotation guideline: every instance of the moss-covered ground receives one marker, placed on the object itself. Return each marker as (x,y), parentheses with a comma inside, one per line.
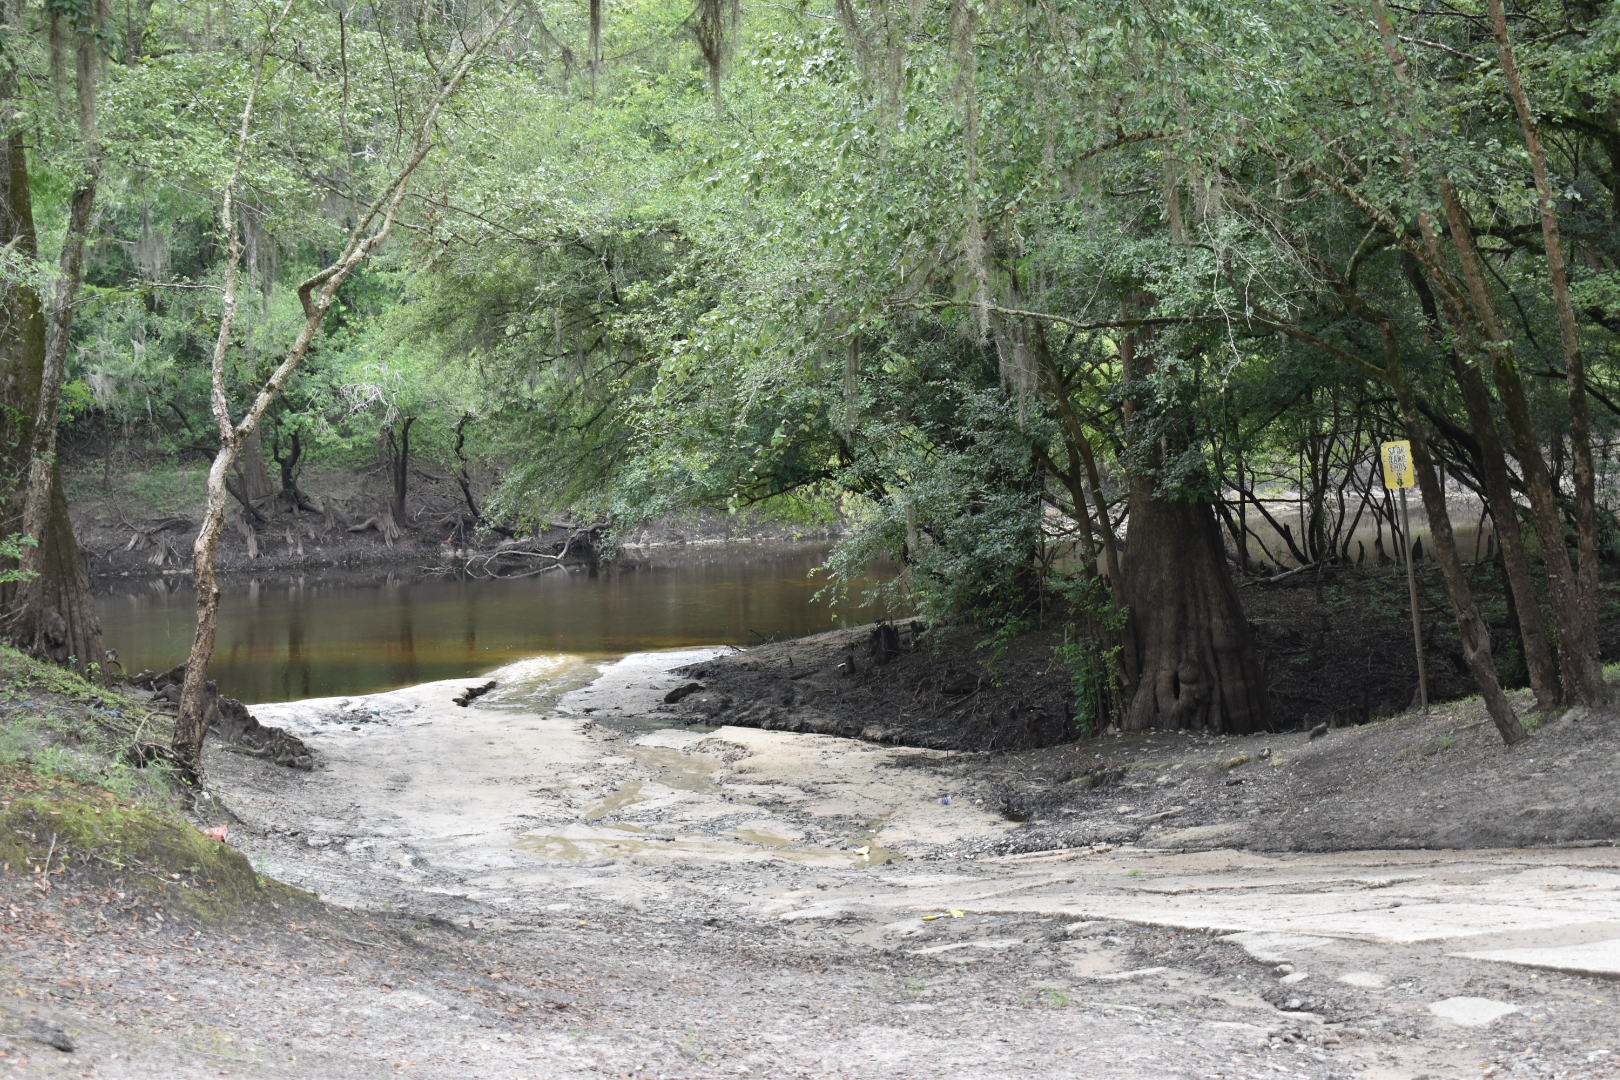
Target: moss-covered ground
(74,808)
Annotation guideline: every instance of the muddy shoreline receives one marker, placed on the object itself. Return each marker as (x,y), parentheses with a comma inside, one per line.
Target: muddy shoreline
(1434,780)
(157,546)
(1147,886)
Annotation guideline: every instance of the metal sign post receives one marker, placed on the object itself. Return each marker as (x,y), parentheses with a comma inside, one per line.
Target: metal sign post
(1400,475)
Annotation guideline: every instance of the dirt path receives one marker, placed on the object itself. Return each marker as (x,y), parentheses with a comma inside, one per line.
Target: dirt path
(554,883)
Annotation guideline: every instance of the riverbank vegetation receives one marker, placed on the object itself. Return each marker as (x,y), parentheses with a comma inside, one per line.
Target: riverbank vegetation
(1071,307)
(83,808)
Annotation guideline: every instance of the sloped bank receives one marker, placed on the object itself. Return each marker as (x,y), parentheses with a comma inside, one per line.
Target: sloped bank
(1335,649)
(1440,779)
(882,684)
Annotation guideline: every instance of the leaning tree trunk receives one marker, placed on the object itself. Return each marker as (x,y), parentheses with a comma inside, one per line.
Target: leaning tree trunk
(191,725)
(1591,688)
(1524,604)
(1472,630)
(316,295)
(53,614)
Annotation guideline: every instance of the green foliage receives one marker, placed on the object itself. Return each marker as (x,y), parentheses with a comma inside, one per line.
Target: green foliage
(11,553)
(1090,651)
(166,490)
(892,275)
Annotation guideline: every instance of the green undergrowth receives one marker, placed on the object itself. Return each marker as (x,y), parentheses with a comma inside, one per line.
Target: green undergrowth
(73,809)
(62,725)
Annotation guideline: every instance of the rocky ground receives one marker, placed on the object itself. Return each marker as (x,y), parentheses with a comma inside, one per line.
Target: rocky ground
(564,879)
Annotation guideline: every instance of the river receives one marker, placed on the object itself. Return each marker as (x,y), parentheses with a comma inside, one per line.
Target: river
(323,634)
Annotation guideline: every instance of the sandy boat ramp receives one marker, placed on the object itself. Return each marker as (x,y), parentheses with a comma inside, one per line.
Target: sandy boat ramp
(816,881)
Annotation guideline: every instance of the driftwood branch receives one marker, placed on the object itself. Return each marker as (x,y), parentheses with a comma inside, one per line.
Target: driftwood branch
(484,564)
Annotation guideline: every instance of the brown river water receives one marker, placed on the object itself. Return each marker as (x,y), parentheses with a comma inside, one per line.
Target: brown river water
(320,635)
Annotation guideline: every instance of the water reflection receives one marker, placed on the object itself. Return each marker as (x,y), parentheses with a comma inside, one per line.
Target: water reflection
(308,636)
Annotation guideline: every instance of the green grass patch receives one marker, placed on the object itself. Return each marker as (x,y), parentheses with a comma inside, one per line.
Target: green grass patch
(62,724)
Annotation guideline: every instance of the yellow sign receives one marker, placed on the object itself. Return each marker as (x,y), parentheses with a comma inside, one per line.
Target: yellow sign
(1398,470)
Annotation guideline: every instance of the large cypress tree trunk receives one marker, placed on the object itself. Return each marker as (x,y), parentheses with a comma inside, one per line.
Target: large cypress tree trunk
(252,473)
(1195,663)
(1190,652)
(55,612)
(53,615)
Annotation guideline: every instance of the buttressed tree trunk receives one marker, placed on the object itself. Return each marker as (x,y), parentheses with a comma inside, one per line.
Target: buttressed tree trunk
(52,615)
(1195,661)
(1191,651)
(252,473)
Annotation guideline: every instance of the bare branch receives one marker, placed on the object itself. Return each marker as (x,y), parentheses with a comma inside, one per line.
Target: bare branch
(1073,324)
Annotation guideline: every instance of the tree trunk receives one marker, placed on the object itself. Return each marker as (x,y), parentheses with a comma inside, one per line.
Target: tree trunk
(287,463)
(1587,667)
(1195,663)
(1580,670)
(191,725)
(463,471)
(1189,651)
(253,473)
(1540,664)
(594,61)
(397,449)
(53,614)
(1471,628)
(1479,322)
(1079,446)
(316,295)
